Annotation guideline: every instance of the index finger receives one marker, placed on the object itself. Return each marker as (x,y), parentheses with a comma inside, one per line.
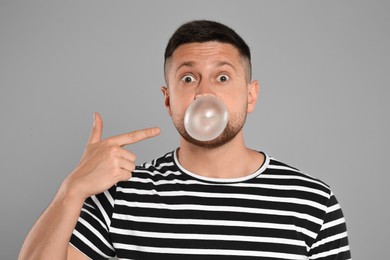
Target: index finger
(135,136)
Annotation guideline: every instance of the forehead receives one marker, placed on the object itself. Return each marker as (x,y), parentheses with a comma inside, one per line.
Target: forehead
(207,52)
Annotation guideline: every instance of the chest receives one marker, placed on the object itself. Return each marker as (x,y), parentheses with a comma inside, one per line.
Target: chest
(205,222)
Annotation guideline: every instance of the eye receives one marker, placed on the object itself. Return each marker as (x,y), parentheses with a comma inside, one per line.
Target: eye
(188,79)
(223,78)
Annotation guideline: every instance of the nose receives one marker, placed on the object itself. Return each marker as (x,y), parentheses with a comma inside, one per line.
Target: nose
(204,88)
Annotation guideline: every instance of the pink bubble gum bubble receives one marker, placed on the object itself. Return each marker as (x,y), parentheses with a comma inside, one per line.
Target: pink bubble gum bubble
(206,118)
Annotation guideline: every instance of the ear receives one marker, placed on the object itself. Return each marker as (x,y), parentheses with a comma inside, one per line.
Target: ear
(253,93)
(165,92)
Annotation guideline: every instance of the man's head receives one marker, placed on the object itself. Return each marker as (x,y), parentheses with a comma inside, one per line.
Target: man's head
(207,31)
(209,58)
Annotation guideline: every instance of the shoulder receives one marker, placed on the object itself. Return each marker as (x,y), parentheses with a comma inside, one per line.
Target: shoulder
(159,163)
(293,179)
(157,169)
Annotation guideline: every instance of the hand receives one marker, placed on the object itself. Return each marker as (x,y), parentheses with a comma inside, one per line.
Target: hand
(105,162)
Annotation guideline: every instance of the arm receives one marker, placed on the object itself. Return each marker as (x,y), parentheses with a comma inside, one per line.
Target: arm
(103,164)
(332,240)
(50,235)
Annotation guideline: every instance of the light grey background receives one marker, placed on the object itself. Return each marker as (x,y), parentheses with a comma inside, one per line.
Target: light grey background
(324,72)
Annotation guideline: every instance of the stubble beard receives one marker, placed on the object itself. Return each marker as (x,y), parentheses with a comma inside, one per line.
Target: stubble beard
(234,126)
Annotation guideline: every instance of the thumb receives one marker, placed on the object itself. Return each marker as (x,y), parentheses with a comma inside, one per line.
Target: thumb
(96,133)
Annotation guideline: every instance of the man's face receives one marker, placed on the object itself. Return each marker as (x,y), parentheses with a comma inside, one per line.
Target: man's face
(209,68)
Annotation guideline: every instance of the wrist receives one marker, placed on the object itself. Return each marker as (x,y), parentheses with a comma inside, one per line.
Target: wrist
(70,194)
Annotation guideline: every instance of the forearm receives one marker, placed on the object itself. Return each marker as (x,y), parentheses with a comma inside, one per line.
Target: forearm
(50,235)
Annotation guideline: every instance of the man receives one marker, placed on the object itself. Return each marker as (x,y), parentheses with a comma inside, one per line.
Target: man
(213,199)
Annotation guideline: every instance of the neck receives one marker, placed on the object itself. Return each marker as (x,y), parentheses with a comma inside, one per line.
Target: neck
(231,160)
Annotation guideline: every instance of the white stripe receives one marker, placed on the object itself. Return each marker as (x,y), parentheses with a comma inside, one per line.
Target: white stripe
(333,223)
(109,198)
(154,172)
(329,239)
(285,187)
(291,177)
(96,233)
(164,165)
(89,205)
(192,236)
(225,195)
(248,185)
(333,208)
(208,222)
(219,208)
(288,168)
(282,167)
(88,243)
(163,182)
(153,164)
(96,218)
(331,252)
(196,251)
(105,216)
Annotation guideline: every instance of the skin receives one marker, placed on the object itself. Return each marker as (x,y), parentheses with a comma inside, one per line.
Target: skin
(212,68)
(106,162)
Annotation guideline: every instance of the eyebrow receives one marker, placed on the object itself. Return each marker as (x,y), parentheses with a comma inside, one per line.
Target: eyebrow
(192,64)
(226,63)
(185,64)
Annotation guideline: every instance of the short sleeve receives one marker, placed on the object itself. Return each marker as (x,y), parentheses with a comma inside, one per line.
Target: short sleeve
(91,234)
(332,240)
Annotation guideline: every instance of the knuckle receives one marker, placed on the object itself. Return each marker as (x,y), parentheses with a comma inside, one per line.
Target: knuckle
(115,162)
(114,150)
(125,176)
(137,135)
(131,136)
(115,172)
(131,156)
(128,176)
(149,132)
(109,141)
(132,167)
(107,153)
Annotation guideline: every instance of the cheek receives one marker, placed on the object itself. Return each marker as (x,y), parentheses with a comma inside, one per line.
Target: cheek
(238,103)
(179,104)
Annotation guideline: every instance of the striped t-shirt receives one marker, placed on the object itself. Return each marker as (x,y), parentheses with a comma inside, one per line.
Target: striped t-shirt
(167,212)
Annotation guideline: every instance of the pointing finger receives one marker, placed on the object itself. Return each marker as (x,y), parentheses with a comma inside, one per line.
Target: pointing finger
(96,133)
(136,136)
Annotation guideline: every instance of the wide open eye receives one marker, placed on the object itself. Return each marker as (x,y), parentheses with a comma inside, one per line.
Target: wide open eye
(223,78)
(188,79)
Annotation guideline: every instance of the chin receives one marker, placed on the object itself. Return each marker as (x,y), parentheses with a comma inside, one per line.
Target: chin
(224,138)
(231,131)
